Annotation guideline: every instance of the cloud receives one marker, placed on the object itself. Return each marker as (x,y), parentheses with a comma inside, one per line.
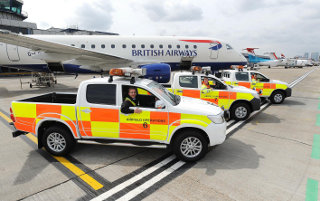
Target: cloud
(173,11)
(96,15)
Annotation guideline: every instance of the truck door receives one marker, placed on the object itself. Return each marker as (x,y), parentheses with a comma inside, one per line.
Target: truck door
(260,82)
(189,86)
(242,79)
(150,124)
(218,93)
(98,113)
(12,52)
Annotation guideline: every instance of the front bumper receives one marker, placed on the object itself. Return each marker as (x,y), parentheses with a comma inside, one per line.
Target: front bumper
(216,133)
(288,92)
(255,104)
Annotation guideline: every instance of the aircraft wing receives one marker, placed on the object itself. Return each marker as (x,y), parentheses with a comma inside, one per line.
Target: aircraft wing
(59,51)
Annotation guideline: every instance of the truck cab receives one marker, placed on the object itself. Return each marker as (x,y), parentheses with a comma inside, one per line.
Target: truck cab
(189,126)
(240,102)
(275,90)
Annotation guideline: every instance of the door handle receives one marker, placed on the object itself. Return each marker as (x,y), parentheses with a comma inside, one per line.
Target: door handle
(86,110)
(179,91)
(236,82)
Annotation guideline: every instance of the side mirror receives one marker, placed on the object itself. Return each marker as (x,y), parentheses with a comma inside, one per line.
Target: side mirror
(160,104)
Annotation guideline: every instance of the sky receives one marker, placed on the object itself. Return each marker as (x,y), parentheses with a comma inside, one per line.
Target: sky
(290,27)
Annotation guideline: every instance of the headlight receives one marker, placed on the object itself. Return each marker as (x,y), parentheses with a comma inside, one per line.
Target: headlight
(217,119)
(256,95)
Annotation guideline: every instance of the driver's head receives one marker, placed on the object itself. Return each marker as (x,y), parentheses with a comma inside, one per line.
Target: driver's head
(205,81)
(132,92)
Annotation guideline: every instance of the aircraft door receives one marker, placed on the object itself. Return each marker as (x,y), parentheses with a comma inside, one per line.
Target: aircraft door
(214,50)
(12,52)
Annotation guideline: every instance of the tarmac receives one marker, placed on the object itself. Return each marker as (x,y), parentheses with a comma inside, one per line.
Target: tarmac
(274,155)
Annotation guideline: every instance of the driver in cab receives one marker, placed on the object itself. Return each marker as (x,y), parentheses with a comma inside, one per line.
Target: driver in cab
(205,87)
(131,100)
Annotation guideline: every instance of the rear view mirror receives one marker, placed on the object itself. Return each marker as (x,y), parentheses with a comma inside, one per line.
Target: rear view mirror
(160,104)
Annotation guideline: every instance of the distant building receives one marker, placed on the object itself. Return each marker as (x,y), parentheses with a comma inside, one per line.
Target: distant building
(306,55)
(315,56)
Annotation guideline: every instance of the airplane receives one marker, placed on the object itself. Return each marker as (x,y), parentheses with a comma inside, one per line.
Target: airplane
(274,60)
(99,53)
(254,59)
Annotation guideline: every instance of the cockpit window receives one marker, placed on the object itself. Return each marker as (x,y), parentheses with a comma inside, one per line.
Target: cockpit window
(228,47)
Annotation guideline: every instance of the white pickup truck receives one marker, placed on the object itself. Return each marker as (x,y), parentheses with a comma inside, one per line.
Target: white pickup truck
(59,120)
(239,101)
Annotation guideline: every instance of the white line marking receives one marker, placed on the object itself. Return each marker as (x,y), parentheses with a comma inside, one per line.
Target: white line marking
(123,185)
(151,182)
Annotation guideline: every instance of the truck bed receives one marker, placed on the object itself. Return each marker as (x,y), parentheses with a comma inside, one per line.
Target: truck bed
(63,98)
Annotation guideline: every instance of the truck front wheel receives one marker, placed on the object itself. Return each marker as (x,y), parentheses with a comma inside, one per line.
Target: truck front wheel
(190,146)
(57,141)
(240,111)
(277,97)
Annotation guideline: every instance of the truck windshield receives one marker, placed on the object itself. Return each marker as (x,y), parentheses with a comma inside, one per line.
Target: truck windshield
(170,97)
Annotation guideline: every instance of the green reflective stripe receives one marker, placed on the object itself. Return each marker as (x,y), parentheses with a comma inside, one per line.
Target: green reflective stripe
(316,147)
(133,103)
(318,120)
(312,190)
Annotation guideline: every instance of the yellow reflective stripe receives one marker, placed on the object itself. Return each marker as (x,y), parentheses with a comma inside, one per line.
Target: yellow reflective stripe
(224,102)
(281,86)
(244,96)
(194,122)
(143,92)
(105,129)
(83,115)
(68,112)
(134,118)
(133,103)
(158,132)
(169,89)
(24,109)
(196,117)
(211,95)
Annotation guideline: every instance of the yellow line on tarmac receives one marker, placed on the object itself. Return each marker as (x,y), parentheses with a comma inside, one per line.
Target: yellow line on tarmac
(65,162)
(5,117)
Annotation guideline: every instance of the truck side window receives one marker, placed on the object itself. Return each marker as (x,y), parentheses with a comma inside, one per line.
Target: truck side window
(214,84)
(259,77)
(101,94)
(145,98)
(188,81)
(242,76)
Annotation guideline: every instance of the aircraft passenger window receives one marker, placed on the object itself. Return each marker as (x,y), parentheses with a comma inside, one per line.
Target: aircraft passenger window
(93,46)
(187,46)
(195,46)
(161,46)
(103,46)
(143,46)
(178,46)
(113,46)
(228,47)
(242,76)
(151,46)
(72,44)
(188,81)
(124,46)
(83,46)
(133,46)
(169,46)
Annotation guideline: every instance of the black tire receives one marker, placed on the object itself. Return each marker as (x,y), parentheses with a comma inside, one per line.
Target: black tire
(240,111)
(277,97)
(48,84)
(30,85)
(66,140)
(193,136)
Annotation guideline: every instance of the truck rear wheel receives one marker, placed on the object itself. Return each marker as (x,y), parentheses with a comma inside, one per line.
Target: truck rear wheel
(190,146)
(277,97)
(240,111)
(57,141)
